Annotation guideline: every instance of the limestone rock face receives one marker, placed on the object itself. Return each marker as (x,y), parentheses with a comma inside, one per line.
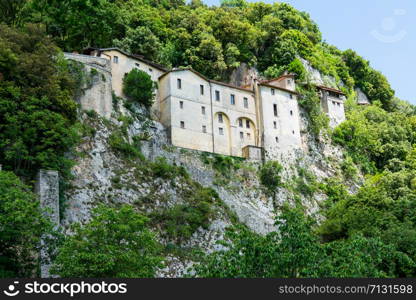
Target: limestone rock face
(361,97)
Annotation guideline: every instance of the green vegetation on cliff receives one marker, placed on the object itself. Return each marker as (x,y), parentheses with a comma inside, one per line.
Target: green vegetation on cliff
(371,232)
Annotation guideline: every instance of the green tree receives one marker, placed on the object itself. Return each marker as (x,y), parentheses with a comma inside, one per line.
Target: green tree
(21,226)
(140,40)
(139,87)
(294,250)
(114,243)
(37,110)
(77,24)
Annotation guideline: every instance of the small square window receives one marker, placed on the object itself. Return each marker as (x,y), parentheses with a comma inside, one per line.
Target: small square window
(181,104)
(201,89)
(291,112)
(137,65)
(220,119)
(203,110)
(240,122)
(221,131)
(245,102)
(247,123)
(179,83)
(150,70)
(217,95)
(338,104)
(182,124)
(232,99)
(248,135)
(241,135)
(115,59)
(293,131)
(275,125)
(204,129)
(277,139)
(272,90)
(290,96)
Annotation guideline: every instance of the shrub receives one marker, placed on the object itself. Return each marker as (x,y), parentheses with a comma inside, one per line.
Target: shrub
(139,87)
(119,144)
(270,175)
(182,220)
(115,243)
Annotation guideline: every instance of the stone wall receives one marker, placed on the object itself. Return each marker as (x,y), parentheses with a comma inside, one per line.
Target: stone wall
(97,93)
(47,189)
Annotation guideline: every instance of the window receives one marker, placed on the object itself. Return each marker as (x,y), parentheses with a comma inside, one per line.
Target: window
(182,124)
(115,59)
(333,102)
(289,81)
(181,104)
(277,139)
(338,104)
(201,89)
(179,82)
(137,65)
(221,131)
(240,122)
(290,96)
(272,91)
(203,110)
(150,70)
(217,95)
(220,119)
(241,135)
(275,109)
(245,102)
(275,125)
(248,135)
(293,131)
(232,99)
(291,112)
(204,129)
(247,123)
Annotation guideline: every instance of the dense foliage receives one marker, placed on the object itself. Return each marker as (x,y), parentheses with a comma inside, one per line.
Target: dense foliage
(115,243)
(371,232)
(295,251)
(212,40)
(21,227)
(37,109)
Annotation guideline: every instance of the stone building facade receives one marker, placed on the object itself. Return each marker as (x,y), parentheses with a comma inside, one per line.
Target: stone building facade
(260,120)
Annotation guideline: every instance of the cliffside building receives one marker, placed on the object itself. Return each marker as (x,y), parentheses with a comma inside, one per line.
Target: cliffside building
(260,120)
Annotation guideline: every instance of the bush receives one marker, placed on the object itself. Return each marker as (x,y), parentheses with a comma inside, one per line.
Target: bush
(270,175)
(139,87)
(116,243)
(161,168)
(182,220)
(119,144)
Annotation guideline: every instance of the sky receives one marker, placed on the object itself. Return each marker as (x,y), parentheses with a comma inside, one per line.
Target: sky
(382,31)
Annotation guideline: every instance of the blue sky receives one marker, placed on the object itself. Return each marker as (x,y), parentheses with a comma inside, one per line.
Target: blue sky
(382,31)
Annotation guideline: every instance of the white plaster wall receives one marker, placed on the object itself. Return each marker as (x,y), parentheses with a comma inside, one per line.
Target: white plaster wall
(230,143)
(335,111)
(288,125)
(192,136)
(125,65)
